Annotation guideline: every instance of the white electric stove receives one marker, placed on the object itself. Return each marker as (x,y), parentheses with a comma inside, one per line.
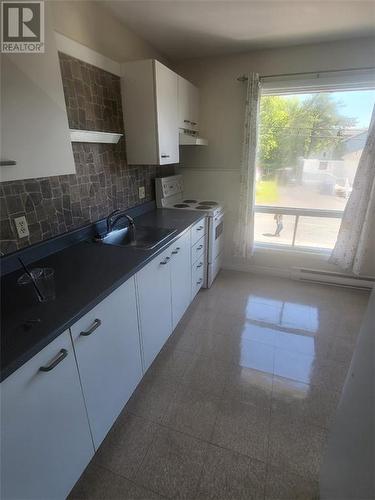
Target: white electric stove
(170,194)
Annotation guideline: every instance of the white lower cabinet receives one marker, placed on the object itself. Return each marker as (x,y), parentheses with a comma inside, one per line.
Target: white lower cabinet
(107,348)
(81,382)
(45,437)
(155,308)
(180,277)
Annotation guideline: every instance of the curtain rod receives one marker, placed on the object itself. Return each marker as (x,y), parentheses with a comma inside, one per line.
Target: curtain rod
(244,78)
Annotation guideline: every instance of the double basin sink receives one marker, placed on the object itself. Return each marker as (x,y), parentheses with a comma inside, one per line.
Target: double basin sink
(143,237)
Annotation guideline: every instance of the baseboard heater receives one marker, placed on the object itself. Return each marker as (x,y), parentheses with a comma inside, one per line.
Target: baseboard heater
(332,278)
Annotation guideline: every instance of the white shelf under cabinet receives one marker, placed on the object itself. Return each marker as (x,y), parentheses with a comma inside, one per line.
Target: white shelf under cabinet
(94,136)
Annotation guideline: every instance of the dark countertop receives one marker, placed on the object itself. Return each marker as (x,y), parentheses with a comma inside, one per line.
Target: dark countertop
(85,273)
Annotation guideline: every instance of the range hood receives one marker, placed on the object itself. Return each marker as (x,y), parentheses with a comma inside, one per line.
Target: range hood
(94,136)
(190,138)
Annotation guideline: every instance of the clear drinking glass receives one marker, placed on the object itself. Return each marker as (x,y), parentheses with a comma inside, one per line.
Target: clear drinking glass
(44,280)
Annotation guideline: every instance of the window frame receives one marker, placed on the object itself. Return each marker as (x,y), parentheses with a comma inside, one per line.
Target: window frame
(306,83)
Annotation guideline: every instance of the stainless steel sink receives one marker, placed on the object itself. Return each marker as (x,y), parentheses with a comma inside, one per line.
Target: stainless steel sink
(145,237)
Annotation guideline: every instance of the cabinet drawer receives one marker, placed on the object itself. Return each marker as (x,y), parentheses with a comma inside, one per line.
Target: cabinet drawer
(198,250)
(197,231)
(197,277)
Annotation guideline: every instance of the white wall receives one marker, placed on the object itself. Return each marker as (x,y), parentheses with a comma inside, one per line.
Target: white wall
(348,466)
(93,25)
(222,114)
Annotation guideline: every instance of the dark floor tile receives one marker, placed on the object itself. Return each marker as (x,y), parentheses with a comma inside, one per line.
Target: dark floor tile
(304,403)
(248,386)
(206,375)
(193,412)
(170,363)
(173,464)
(99,483)
(281,484)
(138,493)
(230,476)
(152,398)
(126,445)
(296,446)
(243,427)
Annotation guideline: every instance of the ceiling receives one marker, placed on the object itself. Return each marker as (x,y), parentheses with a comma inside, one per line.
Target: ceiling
(183,29)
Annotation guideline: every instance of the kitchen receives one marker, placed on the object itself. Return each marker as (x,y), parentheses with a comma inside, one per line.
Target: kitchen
(121,286)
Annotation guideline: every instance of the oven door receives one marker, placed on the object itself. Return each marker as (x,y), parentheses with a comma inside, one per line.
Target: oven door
(215,237)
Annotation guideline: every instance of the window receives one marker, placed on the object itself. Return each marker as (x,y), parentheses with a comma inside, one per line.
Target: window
(309,149)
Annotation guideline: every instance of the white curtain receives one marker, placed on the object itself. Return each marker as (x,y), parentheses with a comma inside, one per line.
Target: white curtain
(355,247)
(244,234)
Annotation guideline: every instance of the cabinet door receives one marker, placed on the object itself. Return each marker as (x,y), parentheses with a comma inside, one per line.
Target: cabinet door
(45,436)
(180,277)
(155,314)
(34,130)
(166,109)
(188,105)
(106,343)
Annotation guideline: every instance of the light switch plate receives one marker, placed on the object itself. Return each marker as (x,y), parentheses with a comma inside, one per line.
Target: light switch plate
(22,227)
(141,192)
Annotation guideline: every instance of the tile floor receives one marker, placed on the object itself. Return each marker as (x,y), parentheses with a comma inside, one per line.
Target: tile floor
(239,402)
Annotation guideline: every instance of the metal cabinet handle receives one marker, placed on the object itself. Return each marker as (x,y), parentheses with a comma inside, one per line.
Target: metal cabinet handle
(165,156)
(176,250)
(62,355)
(7,163)
(165,261)
(199,248)
(92,328)
(200,281)
(199,265)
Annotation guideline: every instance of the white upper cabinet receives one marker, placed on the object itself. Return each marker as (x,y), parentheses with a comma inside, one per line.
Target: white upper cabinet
(149,94)
(35,138)
(188,105)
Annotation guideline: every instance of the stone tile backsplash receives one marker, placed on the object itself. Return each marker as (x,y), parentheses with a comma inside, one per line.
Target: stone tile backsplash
(103,180)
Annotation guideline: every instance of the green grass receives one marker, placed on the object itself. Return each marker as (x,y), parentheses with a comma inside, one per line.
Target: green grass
(266,192)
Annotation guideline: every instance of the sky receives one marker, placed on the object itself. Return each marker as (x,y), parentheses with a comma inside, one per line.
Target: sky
(357,104)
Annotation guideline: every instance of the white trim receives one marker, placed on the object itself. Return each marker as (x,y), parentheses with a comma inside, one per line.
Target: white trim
(250,268)
(94,136)
(361,79)
(76,49)
(326,278)
(331,278)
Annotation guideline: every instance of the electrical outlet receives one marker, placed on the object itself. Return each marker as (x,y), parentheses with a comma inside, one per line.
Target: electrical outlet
(142,192)
(22,227)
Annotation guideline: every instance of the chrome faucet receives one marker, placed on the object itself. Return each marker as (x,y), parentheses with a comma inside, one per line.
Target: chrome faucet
(111,222)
